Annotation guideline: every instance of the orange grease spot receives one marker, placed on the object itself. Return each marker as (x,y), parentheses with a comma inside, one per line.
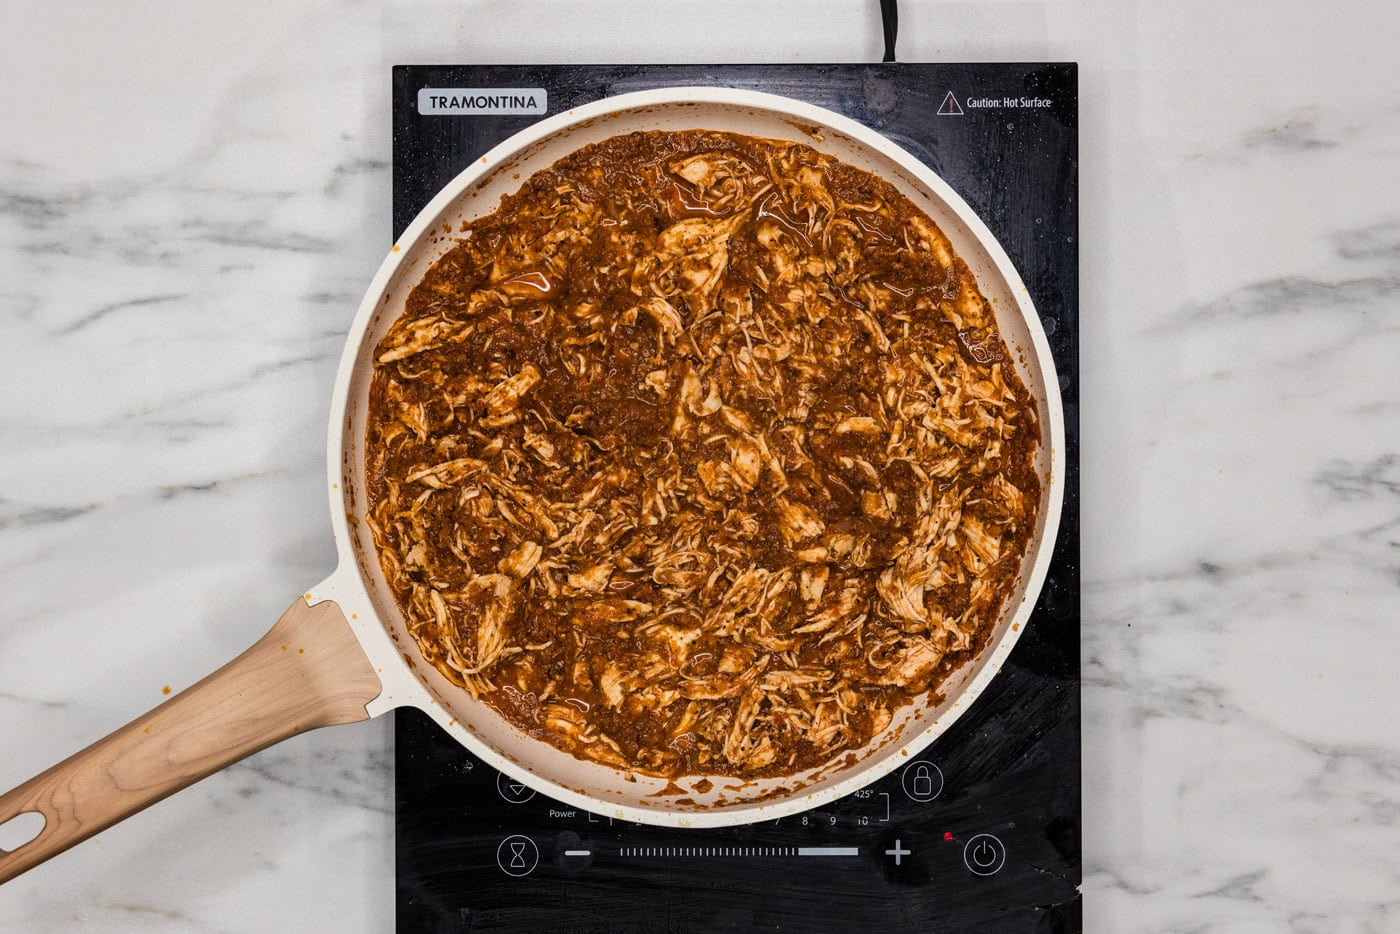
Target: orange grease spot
(396,247)
(165,690)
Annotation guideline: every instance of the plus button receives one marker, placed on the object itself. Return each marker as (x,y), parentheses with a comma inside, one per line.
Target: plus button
(898,852)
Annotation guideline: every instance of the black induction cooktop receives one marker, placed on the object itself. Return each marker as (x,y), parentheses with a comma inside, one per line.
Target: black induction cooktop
(981,833)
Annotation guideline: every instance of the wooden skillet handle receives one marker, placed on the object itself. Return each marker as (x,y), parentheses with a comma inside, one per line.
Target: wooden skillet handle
(307,672)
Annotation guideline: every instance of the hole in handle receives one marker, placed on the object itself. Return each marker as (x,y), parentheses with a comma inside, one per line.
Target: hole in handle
(20,829)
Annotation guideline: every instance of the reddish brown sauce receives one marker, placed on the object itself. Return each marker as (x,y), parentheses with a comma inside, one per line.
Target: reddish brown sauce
(702,454)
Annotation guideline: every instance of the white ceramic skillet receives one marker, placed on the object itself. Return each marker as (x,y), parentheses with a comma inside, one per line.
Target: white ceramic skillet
(341,653)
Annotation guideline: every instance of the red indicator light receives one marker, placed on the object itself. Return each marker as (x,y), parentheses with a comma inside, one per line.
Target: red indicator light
(947,835)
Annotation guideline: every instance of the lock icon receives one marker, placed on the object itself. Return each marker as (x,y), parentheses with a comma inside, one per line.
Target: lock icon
(922,781)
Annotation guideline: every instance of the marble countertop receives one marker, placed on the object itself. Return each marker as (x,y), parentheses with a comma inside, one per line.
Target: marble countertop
(193,197)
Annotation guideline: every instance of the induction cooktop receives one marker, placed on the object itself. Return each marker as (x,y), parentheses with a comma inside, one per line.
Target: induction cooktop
(978,833)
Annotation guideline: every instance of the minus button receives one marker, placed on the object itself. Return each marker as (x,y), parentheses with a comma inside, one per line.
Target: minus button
(578,852)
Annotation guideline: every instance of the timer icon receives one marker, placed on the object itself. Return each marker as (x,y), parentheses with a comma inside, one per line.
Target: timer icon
(517,855)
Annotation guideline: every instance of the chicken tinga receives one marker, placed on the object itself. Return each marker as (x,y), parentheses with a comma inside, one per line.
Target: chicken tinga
(701,454)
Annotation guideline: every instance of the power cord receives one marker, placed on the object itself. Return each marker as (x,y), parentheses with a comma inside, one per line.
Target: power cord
(889,17)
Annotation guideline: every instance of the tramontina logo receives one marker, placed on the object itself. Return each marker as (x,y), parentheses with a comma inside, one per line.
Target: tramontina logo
(482,101)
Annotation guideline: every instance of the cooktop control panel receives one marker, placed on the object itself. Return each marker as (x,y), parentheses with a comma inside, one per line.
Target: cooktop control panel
(497,848)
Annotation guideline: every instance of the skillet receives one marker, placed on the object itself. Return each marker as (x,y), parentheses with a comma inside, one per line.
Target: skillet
(341,652)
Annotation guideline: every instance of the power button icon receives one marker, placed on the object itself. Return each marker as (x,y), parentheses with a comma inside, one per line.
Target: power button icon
(984,855)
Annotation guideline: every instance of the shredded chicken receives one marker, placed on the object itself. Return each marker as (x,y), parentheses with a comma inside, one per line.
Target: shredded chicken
(702,454)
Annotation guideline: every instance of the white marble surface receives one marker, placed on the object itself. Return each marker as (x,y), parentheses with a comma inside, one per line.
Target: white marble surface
(192,197)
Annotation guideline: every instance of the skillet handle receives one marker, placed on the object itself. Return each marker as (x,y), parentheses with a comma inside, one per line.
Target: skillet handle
(307,672)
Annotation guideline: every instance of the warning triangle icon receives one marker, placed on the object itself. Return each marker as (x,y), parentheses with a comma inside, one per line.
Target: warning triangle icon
(950,107)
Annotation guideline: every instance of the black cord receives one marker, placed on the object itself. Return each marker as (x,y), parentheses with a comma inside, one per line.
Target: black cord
(889,16)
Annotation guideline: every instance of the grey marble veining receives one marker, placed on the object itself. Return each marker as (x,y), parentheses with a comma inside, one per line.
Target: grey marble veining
(191,203)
